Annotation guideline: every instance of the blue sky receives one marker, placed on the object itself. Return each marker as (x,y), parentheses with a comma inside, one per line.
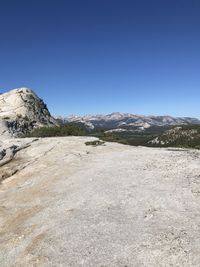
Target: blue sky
(101,56)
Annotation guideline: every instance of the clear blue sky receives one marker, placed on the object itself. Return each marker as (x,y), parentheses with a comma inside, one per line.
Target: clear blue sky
(100,56)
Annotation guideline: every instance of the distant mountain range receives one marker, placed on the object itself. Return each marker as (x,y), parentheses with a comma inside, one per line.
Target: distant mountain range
(159,131)
(125,121)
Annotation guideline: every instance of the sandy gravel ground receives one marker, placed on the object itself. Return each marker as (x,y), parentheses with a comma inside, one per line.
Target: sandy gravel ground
(69,204)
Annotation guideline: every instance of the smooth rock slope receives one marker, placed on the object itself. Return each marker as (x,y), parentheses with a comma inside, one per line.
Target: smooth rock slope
(68,204)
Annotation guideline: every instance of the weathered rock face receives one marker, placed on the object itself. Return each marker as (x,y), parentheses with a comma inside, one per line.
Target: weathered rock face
(4,132)
(21,110)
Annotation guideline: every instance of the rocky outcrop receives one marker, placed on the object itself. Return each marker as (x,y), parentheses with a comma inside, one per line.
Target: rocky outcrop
(21,110)
(8,151)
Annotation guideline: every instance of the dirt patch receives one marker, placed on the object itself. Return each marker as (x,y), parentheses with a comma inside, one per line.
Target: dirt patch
(34,243)
(16,221)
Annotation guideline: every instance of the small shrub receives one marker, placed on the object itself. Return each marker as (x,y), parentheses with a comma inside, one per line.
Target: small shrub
(94,143)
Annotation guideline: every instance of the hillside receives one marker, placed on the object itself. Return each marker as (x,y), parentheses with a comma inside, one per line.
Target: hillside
(182,136)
